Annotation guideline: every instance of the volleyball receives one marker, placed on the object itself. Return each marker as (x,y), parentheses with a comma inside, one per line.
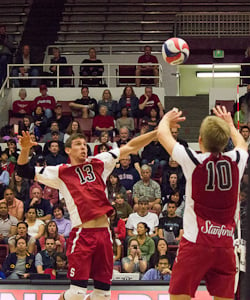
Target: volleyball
(175,51)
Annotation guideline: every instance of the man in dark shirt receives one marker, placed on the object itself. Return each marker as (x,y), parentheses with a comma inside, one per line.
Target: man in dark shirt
(62,120)
(54,158)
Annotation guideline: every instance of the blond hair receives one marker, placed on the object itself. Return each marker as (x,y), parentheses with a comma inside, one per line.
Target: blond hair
(214,133)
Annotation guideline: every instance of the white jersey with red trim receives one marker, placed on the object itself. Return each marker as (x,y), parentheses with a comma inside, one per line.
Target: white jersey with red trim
(212,191)
(83,186)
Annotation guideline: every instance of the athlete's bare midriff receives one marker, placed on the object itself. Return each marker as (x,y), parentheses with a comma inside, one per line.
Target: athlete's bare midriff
(96,223)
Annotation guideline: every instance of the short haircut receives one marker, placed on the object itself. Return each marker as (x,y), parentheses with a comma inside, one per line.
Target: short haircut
(214,133)
(49,238)
(51,142)
(22,222)
(74,137)
(244,127)
(59,206)
(162,257)
(84,87)
(146,167)
(22,90)
(172,202)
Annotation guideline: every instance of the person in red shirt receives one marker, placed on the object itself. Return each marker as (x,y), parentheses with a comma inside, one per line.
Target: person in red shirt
(102,122)
(48,103)
(147,69)
(22,107)
(149,101)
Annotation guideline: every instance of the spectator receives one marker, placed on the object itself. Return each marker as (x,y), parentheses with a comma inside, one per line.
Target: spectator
(8,224)
(63,225)
(25,58)
(125,121)
(73,127)
(54,158)
(170,187)
(144,127)
(55,136)
(4,178)
(127,174)
(15,206)
(21,263)
(35,225)
(51,230)
(153,119)
(175,134)
(43,207)
(6,170)
(118,225)
(122,207)
(146,187)
(147,69)
(115,187)
(20,187)
(54,127)
(12,150)
(129,100)
(178,198)
(134,262)
(47,102)
(117,248)
(245,69)
(22,231)
(27,124)
(103,139)
(37,149)
(63,71)
(22,107)
(149,101)
(61,261)
(161,271)
(6,51)
(102,148)
(93,70)
(241,115)
(142,215)
(170,225)
(146,243)
(245,132)
(103,122)
(85,107)
(62,120)
(124,136)
(112,105)
(40,122)
(161,249)
(45,259)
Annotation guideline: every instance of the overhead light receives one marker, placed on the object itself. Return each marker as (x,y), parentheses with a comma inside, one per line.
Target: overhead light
(218,74)
(218,66)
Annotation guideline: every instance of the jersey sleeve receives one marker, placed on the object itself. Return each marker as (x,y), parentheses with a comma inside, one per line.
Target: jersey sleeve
(240,156)
(48,175)
(109,159)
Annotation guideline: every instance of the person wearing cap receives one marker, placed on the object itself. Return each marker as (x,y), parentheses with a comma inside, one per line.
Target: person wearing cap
(54,138)
(54,158)
(47,102)
(149,100)
(54,127)
(62,120)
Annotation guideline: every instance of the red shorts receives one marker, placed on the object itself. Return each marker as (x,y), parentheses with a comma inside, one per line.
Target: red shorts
(90,254)
(196,262)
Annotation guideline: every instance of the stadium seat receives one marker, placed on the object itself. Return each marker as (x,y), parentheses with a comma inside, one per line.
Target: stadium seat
(86,125)
(125,71)
(65,107)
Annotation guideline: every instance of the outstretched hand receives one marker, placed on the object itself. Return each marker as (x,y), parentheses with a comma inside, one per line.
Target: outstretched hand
(174,117)
(25,140)
(221,112)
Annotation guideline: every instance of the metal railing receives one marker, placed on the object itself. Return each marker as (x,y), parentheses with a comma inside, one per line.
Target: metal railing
(213,24)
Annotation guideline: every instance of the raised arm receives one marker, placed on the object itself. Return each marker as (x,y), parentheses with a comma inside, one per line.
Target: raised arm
(25,143)
(165,137)
(238,140)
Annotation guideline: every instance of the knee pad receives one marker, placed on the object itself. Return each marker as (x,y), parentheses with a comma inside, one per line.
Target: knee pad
(100,295)
(75,293)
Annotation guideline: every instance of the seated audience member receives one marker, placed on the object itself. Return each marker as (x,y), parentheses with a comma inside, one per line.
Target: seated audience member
(25,58)
(127,174)
(40,122)
(61,261)
(156,156)
(51,230)
(161,271)
(37,149)
(85,107)
(148,188)
(146,68)
(7,133)
(178,198)
(170,225)
(118,225)
(125,120)
(53,127)
(144,127)
(117,248)
(11,149)
(45,259)
(103,139)
(22,231)
(73,127)
(148,101)
(4,178)
(161,249)
(15,206)
(245,132)
(134,262)
(19,264)
(241,115)
(115,187)
(103,122)
(175,134)
(146,243)
(55,136)
(102,148)
(122,207)
(27,124)
(20,187)
(153,119)
(129,100)
(42,206)
(142,215)
(35,226)
(62,120)
(112,105)
(124,136)
(54,158)
(63,71)
(95,70)
(8,224)
(63,225)
(47,102)
(22,107)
